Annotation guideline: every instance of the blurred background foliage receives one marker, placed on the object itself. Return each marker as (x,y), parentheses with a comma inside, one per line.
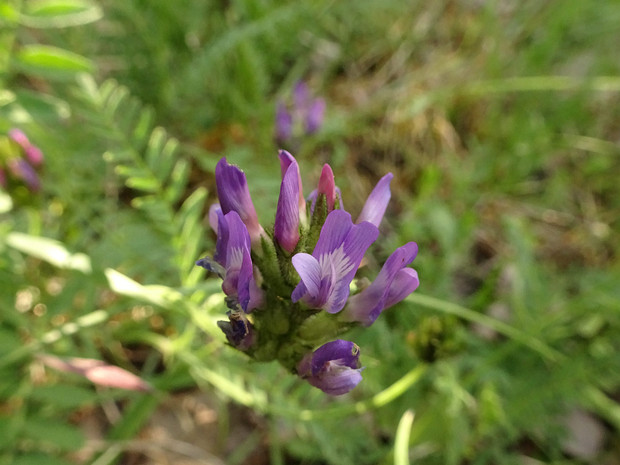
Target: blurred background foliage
(500,121)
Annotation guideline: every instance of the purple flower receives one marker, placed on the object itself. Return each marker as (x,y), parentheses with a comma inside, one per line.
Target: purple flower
(286,227)
(304,117)
(315,115)
(235,263)
(334,367)
(328,272)
(21,169)
(234,195)
(393,283)
(284,123)
(377,202)
(238,330)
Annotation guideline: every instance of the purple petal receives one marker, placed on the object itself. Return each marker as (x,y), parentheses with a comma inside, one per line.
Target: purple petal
(334,367)
(239,281)
(405,282)
(286,228)
(394,278)
(310,272)
(234,195)
(377,202)
(284,123)
(238,330)
(213,216)
(327,186)
(338,252)
(21,169)
(301,96)
(314,115)
(286,159)
(222,229)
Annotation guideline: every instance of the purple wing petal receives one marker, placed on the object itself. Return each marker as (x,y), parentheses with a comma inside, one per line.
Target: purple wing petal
(310,272)
(366,306)
(405,282)
(286,227)
(377,202)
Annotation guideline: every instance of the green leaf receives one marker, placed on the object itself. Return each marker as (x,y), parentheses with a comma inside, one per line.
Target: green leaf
(52,61)
(53,432)
(60,13)
(63,396)
(49,250)
(38,459)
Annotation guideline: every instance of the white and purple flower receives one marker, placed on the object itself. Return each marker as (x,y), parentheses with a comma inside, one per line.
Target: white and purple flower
(327,274)
(288,288)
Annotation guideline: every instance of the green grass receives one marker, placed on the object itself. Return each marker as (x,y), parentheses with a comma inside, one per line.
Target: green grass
(500,123)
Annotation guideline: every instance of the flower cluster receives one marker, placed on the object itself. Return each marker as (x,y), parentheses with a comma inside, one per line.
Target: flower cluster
(288,289)
(303,117)
(19,159)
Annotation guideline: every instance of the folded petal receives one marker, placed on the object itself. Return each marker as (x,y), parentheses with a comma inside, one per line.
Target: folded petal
(405,282)
(377,202)
(327,186)
(310,272)
(286,227)
(393,283)
(286,159)
(234,195)
(334,367)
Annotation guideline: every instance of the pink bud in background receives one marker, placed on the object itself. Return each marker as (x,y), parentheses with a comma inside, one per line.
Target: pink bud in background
(97,372)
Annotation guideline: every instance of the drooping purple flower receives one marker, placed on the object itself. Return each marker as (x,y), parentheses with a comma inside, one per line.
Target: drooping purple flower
(377,202)
(97,372)
(233,256)
(239,331)
(301,96)
(393,283)
(334,367)
(21,169)
(286,227)
(234,195)
(328,272)
(284,123)
(304,116)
